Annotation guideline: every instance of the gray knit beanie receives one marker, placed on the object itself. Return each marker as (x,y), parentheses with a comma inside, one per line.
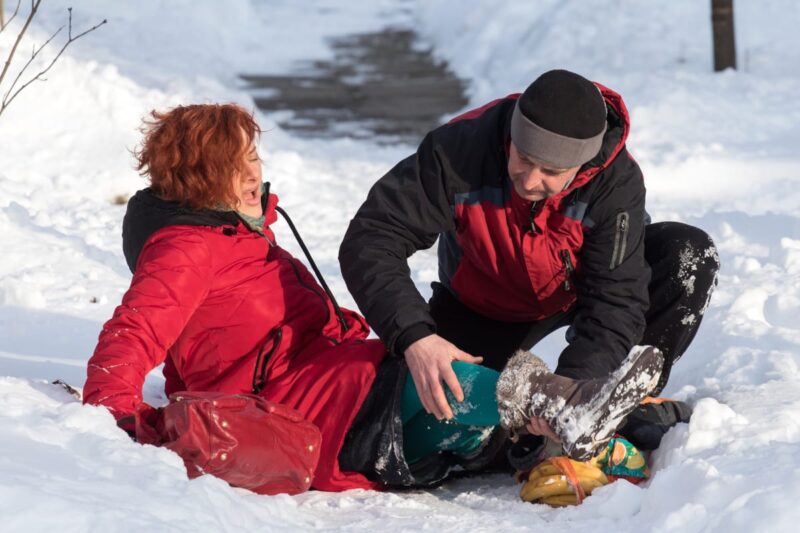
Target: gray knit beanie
(560,120)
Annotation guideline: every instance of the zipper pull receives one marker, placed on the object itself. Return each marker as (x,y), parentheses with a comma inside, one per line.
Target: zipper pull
(570,270)
(534,229)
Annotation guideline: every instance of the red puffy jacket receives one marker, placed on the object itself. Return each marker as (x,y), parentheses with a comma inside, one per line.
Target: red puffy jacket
(228,310)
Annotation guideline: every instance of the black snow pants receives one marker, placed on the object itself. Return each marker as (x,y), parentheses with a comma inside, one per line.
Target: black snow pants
(684,265)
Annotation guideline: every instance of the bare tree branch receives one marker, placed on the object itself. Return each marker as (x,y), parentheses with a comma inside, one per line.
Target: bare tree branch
(34,7)
(3,22)
(34,53)
(11,94)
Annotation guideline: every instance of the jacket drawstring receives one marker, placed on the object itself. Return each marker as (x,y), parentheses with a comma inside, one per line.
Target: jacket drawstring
(336,307)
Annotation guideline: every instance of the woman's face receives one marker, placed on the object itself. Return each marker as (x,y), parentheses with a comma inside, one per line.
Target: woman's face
(247,185)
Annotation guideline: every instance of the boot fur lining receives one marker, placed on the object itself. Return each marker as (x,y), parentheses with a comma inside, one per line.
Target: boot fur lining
(514,388)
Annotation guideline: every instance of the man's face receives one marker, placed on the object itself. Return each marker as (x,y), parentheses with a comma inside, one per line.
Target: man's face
(534,180)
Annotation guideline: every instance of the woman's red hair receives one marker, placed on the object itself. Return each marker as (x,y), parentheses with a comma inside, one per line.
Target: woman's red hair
(192,153)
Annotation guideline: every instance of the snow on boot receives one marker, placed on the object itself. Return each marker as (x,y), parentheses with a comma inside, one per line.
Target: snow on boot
(515,387)
(583,413)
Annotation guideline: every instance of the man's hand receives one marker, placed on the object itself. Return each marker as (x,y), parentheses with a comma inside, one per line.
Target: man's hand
(538,426)
(429,361)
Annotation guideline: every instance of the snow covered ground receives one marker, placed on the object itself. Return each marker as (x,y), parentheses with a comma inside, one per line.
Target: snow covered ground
(721,151)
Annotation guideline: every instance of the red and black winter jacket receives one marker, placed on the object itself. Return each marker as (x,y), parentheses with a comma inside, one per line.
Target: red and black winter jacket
(502,256)
(228,310)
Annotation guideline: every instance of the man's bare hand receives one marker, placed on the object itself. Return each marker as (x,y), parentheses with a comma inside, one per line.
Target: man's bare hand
(538,426)
(429,361)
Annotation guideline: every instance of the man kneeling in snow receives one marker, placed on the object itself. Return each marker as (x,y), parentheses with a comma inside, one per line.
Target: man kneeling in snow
(539,211)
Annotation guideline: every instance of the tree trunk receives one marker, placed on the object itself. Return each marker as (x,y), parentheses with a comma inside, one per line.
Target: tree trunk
(724,45)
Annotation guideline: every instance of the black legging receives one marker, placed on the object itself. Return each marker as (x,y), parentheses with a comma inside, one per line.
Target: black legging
(684,262)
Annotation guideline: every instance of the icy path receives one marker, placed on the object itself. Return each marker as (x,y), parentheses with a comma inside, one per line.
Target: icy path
(380,86)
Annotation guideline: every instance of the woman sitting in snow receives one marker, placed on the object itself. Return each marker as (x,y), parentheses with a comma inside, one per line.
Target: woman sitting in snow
(227,310)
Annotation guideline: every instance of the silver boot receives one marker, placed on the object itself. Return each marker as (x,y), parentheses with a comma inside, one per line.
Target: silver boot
(584,413)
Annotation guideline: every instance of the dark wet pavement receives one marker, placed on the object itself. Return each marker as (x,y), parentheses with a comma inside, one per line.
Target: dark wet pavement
(381,86)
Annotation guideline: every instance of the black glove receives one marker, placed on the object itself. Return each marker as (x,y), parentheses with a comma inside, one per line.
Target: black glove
(148,418)
(648,423)
(526,452)
(128,425)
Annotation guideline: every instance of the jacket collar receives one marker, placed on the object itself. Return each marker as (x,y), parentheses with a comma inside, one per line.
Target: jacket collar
(147,213)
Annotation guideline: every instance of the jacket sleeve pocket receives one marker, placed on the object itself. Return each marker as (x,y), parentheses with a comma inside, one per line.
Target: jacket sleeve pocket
(620,239)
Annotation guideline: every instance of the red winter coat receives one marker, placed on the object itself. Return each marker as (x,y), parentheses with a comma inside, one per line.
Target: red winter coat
(228,310)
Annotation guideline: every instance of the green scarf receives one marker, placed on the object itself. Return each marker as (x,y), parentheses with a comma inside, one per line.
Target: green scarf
(254,223)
